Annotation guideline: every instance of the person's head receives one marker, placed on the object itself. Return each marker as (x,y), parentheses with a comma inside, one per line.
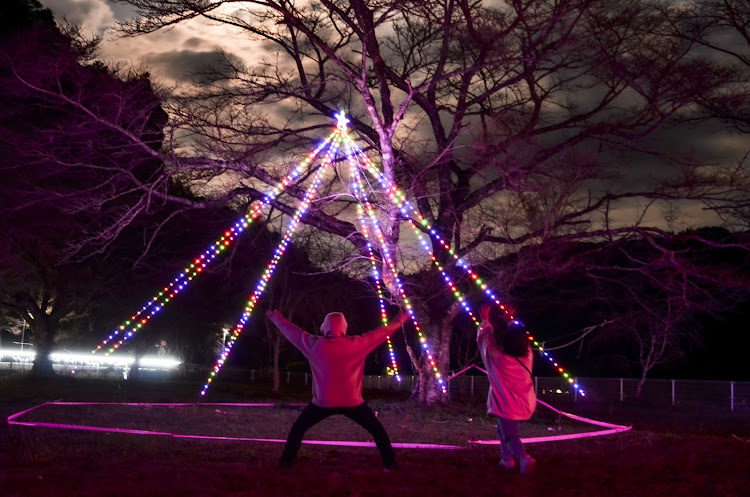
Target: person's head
(334,325)
(515,339)
(499,322)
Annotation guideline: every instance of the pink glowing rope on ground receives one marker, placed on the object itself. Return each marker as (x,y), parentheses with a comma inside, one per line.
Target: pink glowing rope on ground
(613,429)
(165,404)
(12,420)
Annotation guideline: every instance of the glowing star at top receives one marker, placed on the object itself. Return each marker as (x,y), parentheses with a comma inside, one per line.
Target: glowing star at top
(342,120)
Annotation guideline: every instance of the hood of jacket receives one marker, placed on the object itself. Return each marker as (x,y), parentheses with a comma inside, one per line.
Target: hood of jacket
(334,325)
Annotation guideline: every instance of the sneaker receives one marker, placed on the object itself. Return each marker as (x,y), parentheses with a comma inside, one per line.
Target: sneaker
(528,465)
(284,464)
(507,464)
(391,467)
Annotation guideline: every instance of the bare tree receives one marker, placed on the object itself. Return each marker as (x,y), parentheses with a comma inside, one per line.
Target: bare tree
(286,304)
(660,286)
(721,28)
(77,144)
(509,123)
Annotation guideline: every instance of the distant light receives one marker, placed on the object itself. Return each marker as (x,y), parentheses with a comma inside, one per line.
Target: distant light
(17,353)
(85,358)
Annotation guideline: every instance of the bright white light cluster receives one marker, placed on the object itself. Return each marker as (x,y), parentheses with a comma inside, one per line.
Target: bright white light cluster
(88,359)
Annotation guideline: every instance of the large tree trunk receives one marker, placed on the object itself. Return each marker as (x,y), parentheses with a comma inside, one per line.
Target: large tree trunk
(44,329)
(435,316)
(428,390)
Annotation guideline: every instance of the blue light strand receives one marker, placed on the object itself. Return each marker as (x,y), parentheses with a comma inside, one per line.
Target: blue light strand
(392,266)
(356,189)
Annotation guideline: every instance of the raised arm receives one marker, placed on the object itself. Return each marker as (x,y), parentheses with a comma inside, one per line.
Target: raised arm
(373,338)
(292,332)
(485,328)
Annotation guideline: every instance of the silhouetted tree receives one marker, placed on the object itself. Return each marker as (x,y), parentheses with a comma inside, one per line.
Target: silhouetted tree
(80,165)
(652,300)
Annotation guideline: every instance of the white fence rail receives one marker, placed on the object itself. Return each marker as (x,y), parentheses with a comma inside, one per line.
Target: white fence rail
(732,396)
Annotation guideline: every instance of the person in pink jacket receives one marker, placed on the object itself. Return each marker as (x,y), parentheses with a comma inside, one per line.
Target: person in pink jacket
(337,361)
(508,359)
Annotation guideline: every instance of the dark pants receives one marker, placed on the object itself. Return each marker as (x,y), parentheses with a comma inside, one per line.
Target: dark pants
(361,414)
(509,431)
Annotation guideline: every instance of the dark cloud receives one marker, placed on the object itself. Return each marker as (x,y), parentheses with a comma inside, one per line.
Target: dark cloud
(184,65)
(95,15)
(193,42)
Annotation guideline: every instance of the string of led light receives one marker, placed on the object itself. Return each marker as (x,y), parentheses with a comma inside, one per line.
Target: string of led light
(180,282)
(356,188)
(392,266)
(378,286)
(396,196)
(399,199)
(271,267)
(474,276)
(175,287)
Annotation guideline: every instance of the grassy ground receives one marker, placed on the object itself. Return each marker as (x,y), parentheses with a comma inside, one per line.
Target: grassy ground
(667,453)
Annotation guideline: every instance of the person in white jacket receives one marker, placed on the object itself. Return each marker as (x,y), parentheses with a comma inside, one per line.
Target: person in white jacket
(508,359)
(337,361)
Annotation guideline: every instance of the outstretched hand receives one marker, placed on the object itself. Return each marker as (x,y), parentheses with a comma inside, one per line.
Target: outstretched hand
(396,323)
(484,312)
(272,313)
(402,318)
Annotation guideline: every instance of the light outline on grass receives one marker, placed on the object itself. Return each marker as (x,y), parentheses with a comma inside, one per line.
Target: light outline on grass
(12,420)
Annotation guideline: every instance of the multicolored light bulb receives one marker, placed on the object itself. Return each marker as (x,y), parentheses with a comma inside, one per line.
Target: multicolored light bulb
(137,321)
(398,198)
(271,267)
